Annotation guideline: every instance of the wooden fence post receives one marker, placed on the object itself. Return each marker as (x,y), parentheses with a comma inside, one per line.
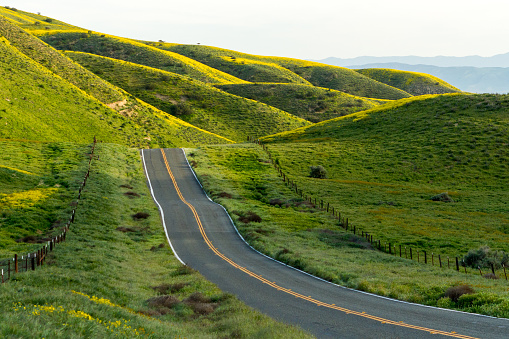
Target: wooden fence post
(400,251)
(411,257)
(440,260)
(492,269)
(457,265)
(15,263)
(425,257)
(503,266)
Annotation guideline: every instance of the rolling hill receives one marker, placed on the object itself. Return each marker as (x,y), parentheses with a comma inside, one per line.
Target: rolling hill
(468,79)
(410,82)
(135,52)
(52,98)
(385,164)
(201,105)
(308,102)
(321,75)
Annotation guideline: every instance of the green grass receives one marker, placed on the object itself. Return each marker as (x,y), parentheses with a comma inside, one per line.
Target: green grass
(385,164)
(38,104)
(241,65)
(99,282)
(133,51)
(36,22)
(301,234)
(305,72)
(37,185)
(410,82)
(312,103)
(53,60)
(192,101)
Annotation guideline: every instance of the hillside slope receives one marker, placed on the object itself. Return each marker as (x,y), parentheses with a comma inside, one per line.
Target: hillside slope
(39,105)
(243,66)
(132,51)
(191,100)
(308,102)
(384,165)
(321,75)
(410,82)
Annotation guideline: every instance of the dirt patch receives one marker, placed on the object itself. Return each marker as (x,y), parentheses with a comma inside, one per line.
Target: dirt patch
(162,97)
(225,195)
(126,186)
(117,105)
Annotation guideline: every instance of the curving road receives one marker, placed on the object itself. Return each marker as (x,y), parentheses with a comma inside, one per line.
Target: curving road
(203,237)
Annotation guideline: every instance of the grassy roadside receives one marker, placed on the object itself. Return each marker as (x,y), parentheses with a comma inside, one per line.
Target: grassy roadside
(116,277)
(277,222)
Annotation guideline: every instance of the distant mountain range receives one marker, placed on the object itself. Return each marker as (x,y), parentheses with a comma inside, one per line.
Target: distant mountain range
(471,74)
(500,60)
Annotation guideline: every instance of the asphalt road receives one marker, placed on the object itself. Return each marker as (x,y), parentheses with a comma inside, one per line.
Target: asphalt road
(204,238)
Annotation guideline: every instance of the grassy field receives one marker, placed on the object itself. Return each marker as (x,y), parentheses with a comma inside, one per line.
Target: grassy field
(114,276)
(410,82)
(195,102)
(301,234)
(384,166)
(305,72)
(312,103)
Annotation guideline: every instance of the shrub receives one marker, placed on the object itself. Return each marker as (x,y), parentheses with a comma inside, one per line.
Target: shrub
(276,202)
(250,217)
(140,215)
(443,197)
(455,292)
(485,257)
(317,172)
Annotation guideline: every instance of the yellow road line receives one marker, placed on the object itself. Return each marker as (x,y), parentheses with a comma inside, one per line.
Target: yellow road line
(289,291)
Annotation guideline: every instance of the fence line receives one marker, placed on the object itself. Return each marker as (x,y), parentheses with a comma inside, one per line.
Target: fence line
(421,256)
(30,261)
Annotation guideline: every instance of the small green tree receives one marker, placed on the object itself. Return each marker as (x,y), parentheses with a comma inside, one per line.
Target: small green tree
(317,172)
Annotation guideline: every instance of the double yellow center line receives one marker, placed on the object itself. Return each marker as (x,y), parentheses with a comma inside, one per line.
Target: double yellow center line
(289,291)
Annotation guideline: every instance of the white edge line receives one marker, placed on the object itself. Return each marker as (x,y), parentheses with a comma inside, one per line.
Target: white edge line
(159,206)
(313,276)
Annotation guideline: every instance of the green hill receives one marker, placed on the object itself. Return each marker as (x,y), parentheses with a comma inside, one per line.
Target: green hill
(191,100)
(308,102)
(410,82)
(243,66)
(307,72)
(37,104)
(35,22)
(385,164)
(132,51)
(59,64)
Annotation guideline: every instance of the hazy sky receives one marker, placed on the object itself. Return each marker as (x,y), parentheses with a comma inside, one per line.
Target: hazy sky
(295,28)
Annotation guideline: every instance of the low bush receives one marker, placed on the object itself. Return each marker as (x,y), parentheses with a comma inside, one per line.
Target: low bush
(455,292)
(485,257)
(317,172)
